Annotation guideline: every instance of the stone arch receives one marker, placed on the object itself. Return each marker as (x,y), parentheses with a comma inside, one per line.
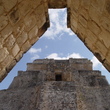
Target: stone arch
(90,20)
(22,22)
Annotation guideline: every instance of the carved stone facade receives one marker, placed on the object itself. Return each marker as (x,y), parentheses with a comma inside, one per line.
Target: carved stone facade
(22,22)
(49,84)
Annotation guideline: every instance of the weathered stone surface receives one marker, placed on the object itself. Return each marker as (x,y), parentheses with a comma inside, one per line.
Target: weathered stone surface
(33,32)
(58,4)
(89,19)
(22,22)
(22,38)
(26,46)
(7,61)
(3,54)
(6,31)
(1,9)
(104,35)
(15,50)
(3,22)
(9,42)
(8,5)
(33,89)
(14,16)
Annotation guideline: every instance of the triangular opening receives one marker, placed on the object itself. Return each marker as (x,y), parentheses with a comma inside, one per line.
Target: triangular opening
(59,43)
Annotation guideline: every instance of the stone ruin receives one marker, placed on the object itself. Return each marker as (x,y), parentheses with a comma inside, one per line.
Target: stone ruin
(49,84)
(22,23)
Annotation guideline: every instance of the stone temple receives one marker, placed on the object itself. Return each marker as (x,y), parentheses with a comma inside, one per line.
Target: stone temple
(23,22)
(49,84)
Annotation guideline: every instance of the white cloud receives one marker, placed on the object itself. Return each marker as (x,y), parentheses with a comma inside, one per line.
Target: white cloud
(95,61)
(75,55)
(34,53)
(58,24)
(34,50)
(57,56)
(54,56)
(35,57)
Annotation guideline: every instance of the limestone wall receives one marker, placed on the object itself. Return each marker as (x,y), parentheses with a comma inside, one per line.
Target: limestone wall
(22,22)
(90,20)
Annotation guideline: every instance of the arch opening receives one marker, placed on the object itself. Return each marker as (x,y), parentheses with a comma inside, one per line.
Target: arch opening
(58,48)
(58,77)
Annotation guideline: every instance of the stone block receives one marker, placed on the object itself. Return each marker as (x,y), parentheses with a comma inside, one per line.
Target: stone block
(68,3)
(107,8)
(75,4)
(95,15)
(9,42)
(3,74)
(81,32)
(14,16)
(26,46)
(83,12)
(102,81)
(105,22)
(40,10)
(15,50)
(43,29)
(74,12)
(44,20)
(74,29)
(20,1)
(7,61)
(106,64)
(22,38)
(19,56)
(41,15)
(104,36)
(3,22)
(97,54)
(25,7)
(95,28)
(98,5)
(1,40)
(12,64)
(90,39)
(85,4)
(1,46)
(3,54)
(6,31)
(1,9)
(18,28)
(108,56)
(67,77)
(101,47)
(30,21)
(36,3)
(34,40)
(9,4)
(36,67)
(82,21)
(58,4)
(33,32)
(73,23)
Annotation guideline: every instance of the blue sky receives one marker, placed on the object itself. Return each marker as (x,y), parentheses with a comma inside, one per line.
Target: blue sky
(58,42)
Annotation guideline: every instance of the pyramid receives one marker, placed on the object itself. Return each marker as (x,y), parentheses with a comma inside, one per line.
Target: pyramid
(50,84)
